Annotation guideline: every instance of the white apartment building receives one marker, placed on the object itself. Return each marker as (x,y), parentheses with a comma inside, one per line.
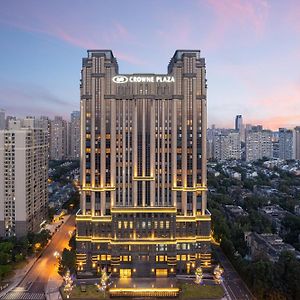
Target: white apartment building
(23,178)
(258,143)
(227,145)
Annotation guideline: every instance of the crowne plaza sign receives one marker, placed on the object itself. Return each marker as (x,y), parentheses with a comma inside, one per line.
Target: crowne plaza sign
(141,78)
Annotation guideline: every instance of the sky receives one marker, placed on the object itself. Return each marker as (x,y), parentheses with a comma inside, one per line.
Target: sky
(252,52)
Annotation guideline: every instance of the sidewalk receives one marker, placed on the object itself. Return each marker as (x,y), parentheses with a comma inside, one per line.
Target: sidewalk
(18,277)
(52,288)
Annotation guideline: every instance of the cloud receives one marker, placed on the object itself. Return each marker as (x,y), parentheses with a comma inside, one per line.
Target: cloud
(27,100)
(86,37)
(292,16)
(236,16)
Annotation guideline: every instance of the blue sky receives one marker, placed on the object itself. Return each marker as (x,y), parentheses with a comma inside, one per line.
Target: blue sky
(252,51)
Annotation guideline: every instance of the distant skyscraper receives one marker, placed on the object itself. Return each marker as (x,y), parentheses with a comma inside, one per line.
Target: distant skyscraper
(143,168)
(296,143)
(58,134)
(74,135)
(2,119)
(8,118)
(23,178)
(227,145)
(285,143)
(239,126)
(258,143)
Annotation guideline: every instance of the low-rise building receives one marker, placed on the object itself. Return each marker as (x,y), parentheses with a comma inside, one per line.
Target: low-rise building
(267,245)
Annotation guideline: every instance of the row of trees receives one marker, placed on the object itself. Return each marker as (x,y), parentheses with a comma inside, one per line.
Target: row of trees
(15,250)
(267,280)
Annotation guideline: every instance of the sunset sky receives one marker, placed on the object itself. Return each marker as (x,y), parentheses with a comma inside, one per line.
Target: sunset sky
(252,52)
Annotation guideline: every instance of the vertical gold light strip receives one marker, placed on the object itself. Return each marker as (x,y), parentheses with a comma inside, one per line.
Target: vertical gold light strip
(93,128)
(134,150)
(152,152)
(203,134)
(174,150)
(113,150)
(144,150)
(195,114)
(184,143)
(124,155)
(82,151)
(163,128)
(103,142)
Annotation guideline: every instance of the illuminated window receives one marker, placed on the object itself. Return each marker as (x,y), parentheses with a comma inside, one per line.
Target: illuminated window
(103,257)
(161,224)
(119,224)
(178,257)
(131,224)
(161,258)
(183,257)
(125,224)
(167,224)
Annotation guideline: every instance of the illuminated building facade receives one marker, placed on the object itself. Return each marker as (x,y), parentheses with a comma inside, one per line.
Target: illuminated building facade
(143,168)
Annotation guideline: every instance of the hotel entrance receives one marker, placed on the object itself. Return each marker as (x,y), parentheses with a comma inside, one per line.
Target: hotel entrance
(161,272)
(125,273)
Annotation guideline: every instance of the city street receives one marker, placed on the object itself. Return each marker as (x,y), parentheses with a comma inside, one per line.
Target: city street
(34,283)
(235,286)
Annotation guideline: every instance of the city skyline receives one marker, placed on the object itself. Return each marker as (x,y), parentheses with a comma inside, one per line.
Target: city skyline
(252,58)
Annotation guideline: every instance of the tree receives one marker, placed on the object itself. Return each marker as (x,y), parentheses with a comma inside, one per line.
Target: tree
(287,274)
(4,271)
(260,276)
(67,262)
(68,284)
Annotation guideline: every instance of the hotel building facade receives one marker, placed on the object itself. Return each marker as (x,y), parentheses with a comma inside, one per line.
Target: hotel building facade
(143,168)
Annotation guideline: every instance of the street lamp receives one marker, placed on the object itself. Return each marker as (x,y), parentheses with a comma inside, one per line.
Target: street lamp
(56,254)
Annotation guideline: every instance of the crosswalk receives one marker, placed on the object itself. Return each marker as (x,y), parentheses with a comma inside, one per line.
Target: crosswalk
(21,295)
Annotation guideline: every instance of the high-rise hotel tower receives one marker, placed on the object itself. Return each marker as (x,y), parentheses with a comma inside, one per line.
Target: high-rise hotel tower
(143,168)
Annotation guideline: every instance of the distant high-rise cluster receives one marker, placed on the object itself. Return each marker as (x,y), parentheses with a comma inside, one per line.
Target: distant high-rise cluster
(26,145)
(251,143)
(64,141)
(63,136)
(23,177)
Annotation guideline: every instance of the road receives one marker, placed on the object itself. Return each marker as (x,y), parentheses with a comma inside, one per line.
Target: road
(34,283)
(235,286)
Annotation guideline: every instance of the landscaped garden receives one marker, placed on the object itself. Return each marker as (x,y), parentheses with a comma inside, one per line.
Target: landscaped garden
(191,291)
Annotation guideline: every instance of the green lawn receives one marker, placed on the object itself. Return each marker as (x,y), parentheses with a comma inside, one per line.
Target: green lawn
(192,291)
(91,293)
